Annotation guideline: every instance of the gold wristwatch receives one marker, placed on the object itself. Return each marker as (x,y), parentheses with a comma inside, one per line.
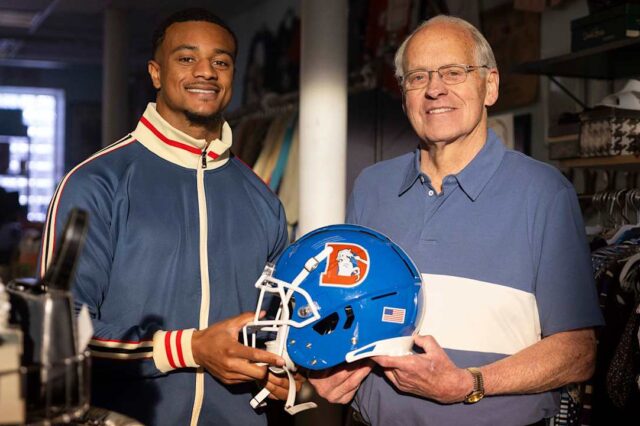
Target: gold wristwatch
(478,387)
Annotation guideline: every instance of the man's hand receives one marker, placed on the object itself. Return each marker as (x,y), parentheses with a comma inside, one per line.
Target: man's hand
(431,375)
(339,384)
(217,349)
(278,384)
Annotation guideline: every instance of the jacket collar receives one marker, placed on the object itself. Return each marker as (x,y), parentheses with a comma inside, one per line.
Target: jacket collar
(474,177)
(173,145)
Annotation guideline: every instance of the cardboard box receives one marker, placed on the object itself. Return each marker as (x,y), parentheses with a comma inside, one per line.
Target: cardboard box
(616,23)
(563,147)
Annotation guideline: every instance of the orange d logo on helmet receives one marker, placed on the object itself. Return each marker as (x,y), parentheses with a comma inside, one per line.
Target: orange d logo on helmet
(347,265)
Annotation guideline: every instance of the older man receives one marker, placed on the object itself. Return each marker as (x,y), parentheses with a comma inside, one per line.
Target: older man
(499,238)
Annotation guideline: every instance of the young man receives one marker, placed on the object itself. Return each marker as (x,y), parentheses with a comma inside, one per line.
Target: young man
(499,238)
(179,230)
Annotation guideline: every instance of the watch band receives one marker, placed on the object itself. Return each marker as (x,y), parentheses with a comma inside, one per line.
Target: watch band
(478,387)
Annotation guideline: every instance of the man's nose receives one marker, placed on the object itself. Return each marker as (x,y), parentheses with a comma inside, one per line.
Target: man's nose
(205,69)
(435,86)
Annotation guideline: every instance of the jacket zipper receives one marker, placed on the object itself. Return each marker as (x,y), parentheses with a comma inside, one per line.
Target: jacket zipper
(204,278)
(204,158)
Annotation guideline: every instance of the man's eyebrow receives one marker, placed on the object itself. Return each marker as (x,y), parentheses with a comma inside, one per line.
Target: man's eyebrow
(224,52)
(217,51)
(184,47)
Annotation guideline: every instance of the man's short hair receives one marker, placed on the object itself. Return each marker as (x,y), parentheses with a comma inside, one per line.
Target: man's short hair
(483,52)
(189,15)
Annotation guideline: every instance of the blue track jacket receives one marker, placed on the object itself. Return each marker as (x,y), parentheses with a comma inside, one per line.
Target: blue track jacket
(178,234)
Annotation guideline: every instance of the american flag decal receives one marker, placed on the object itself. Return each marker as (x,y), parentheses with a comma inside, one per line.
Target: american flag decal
(395,315)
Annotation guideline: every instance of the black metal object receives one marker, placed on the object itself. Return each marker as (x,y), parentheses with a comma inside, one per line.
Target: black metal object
(60,273)
(56,374)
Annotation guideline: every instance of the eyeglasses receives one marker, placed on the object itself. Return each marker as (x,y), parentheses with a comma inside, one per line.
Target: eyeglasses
(449,74)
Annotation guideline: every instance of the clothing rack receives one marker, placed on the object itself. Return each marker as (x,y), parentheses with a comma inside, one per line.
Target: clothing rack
(271,105)
(612,394)
(608,179)
(617,208)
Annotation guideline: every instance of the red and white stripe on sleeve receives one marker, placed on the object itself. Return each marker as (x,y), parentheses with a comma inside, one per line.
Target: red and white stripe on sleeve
(172,349)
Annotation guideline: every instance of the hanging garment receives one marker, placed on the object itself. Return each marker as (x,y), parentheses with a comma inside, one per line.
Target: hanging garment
(254,140)
(283,156)
(288,191)
(615,399)
(266,162)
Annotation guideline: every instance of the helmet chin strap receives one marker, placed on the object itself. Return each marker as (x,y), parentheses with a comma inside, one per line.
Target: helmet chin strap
(278,346)
(289,405)
(288,369)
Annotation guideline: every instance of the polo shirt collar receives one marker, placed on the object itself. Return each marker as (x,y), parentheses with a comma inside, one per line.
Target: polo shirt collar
(474,177)
(412,173)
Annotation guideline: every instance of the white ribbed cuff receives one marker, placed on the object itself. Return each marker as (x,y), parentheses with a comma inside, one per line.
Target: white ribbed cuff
(172,349)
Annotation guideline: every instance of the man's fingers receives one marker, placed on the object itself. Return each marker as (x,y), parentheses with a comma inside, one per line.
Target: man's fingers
(277,385)
(425,342)
(241,368)
(342,385)
(386,361)
(299,379)
(356,377)
(321,377)
(390,374)
(324,373)
(236,323)
(277,391)
(255,355)
(236,378)
(276,380)
(240,374)
(337,374)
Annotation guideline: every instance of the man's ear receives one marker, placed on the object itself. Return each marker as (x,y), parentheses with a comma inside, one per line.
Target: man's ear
(154,72)
(493,87)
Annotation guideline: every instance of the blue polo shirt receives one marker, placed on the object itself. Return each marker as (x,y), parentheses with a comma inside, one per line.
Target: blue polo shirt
(505,262)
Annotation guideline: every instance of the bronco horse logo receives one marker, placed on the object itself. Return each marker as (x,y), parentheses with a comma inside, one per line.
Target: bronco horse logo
(347,265)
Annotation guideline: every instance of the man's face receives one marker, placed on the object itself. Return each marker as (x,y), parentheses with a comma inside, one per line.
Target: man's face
(193,70)
(441,112)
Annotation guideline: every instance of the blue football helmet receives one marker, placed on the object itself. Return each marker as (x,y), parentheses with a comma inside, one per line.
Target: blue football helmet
(345,292)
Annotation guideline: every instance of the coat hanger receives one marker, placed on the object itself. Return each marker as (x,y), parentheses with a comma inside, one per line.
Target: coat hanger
(621,201)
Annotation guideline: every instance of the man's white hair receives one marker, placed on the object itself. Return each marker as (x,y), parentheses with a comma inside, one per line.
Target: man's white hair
(483,52)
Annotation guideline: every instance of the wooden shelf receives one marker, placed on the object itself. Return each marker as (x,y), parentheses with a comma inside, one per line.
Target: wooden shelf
(618,59)
(629,162)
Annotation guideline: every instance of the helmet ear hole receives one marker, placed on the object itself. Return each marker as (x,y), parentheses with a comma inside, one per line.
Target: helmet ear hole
(350,317)
(327,325)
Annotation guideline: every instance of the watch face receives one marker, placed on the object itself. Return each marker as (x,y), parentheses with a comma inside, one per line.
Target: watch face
(474,397)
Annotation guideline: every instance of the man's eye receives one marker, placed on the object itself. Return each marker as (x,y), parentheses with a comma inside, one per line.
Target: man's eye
(418,77)
(186,59)
(220,64)
(453,73)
